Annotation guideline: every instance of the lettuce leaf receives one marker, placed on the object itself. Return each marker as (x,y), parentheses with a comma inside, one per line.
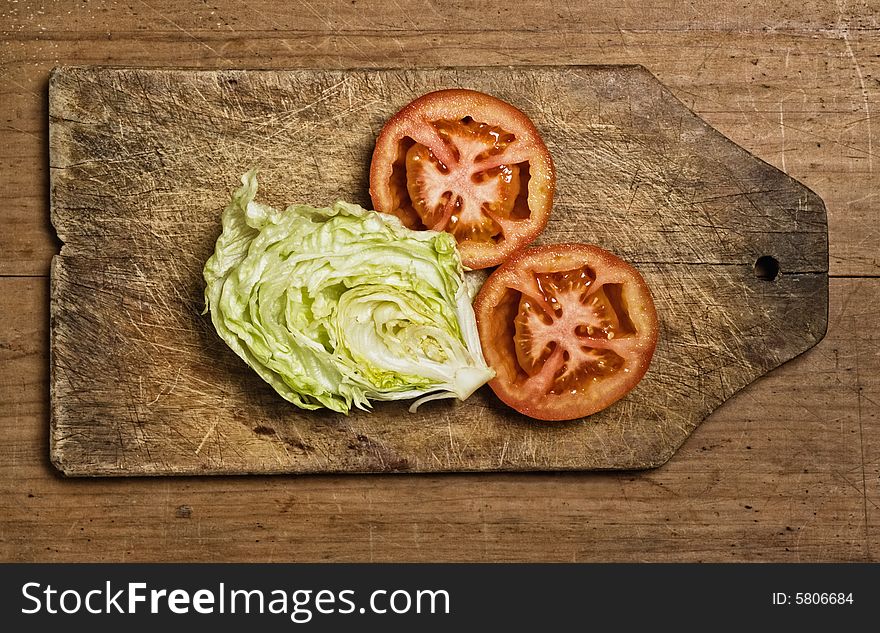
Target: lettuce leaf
(339,306)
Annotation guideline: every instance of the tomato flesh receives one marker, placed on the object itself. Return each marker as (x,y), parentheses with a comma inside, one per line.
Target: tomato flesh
(570,315)
(565,341)
(463,196)
(467,163)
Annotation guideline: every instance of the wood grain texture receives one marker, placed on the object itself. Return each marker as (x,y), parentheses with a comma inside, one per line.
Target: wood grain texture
(140,162)
(792,83)
(786,470)
(475,16)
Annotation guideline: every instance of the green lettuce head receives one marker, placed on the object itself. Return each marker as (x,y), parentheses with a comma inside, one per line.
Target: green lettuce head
(336,307)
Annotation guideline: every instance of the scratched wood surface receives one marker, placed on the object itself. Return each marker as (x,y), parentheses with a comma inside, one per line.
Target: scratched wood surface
(786,470)
(142,162)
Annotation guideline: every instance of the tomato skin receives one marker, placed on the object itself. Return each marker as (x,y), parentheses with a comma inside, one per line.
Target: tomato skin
(533,389)
(425,122)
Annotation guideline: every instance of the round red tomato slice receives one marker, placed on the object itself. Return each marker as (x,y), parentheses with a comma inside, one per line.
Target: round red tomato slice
(465,162)
(568,328)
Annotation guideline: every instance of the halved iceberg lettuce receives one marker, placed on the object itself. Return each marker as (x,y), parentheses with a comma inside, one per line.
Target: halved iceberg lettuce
(336,307)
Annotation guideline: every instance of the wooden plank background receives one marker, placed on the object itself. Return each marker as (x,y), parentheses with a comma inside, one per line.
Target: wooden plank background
(787,470)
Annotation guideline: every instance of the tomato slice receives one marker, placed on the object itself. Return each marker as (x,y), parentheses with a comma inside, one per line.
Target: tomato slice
(568,328)
(468,163)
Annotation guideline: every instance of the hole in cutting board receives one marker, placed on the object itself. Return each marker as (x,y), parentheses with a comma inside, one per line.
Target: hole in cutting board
(767,268)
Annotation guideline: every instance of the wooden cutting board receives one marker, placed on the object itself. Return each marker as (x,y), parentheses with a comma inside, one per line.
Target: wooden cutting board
(143,162)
